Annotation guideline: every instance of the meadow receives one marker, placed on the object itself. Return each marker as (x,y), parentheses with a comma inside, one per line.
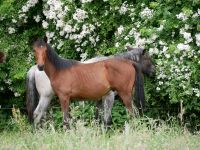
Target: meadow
(138,134)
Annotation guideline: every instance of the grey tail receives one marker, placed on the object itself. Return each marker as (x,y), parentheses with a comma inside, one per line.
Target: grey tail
(139,88)
(32,96)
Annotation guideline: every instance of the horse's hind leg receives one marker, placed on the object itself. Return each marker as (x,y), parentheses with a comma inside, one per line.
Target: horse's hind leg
(127,100)
(108,101)
(99,109)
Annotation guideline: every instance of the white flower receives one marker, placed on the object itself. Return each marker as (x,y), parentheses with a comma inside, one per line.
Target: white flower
(86,1)
(45,24)
(28,5)
(9,81)
(17,94)
(182,16)
(50,34)
(132,31)
(68,28)
(117,44)
(182,46)
(165,48)
(37,18)
(127,44)
(120,29)
(123,9)
(162,43)
(198,11)
(61,43)
(25,9)
(14,20)
(78,49)
(61,33)
(11,30)
(160,83)
(167,55)
(58,5)
(60,23)
(80,15)
(51,15)
(197,36)
(187,27)
(153,51)
(126,38)
(83,56)
(158,89)
(146,13)
(187,36)
(160,28)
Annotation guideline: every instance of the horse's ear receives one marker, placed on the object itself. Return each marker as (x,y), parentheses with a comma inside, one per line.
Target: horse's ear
(129,48)
(146,54)
(143,51)
(45,39)
(32,40)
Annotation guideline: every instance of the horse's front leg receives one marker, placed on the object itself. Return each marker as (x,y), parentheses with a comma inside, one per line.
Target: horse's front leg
(64,101)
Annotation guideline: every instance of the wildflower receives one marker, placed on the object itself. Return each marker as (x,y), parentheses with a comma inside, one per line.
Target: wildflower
(182,46)
(146,13)
(117,44)
(45,24)
(37,18)
(197,36)
(120,29)
(83,56)
(123,9)
(80,15)
(11,30)
(182,16)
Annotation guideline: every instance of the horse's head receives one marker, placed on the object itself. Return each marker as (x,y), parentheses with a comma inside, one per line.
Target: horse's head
(2,57)
(40,50)
(148,66)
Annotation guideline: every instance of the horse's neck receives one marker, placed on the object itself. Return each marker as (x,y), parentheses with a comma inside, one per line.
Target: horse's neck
(49,69)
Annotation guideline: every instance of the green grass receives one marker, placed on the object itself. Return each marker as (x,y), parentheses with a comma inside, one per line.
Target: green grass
(136,135)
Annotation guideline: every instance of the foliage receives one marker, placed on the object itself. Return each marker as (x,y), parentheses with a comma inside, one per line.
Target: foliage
(169,30)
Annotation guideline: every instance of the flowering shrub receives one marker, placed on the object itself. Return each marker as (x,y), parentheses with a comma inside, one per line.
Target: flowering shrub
(168,30)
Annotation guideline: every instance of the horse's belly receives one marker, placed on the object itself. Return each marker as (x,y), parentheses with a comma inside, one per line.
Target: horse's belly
(91,93)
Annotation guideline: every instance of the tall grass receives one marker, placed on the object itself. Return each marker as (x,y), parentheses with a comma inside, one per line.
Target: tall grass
(143,133)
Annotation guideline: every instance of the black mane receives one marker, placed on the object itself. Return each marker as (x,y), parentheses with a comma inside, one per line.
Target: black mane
(58,62)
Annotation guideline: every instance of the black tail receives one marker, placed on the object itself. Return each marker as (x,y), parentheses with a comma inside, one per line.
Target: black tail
(139,87)
(32,97)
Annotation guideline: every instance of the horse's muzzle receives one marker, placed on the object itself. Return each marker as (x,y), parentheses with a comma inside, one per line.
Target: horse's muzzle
(40,67)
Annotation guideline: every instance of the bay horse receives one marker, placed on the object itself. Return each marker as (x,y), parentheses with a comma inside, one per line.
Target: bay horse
(39,91)
(2,57)
(71,79)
